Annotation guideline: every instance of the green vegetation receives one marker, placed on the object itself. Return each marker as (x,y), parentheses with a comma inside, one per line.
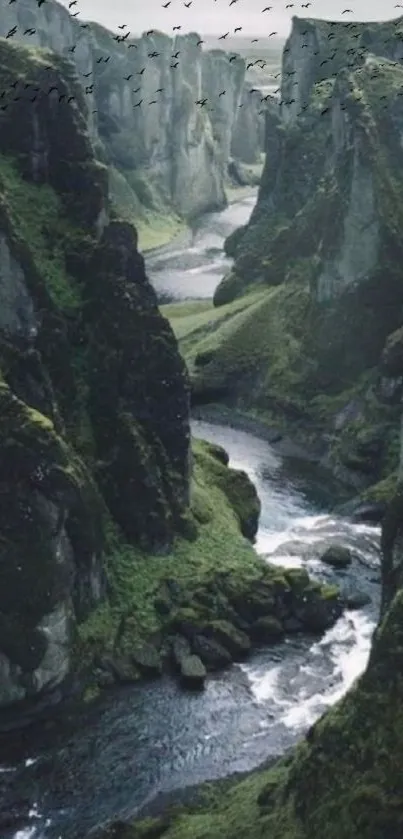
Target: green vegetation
(136,200)
(210,584)
(37,213)
(135,577)
(257,337)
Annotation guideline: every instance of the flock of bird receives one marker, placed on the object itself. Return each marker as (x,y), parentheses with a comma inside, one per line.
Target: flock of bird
(25,91)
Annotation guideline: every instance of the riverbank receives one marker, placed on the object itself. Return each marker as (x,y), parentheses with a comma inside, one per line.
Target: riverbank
(158,234)
(282,443)
(248,713)
(209,603)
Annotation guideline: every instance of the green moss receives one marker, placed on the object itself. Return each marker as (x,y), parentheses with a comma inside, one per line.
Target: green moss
(135,577)
(236,486)
(252,345)
(38,216)
(136,200)
(383,490)
(33,457)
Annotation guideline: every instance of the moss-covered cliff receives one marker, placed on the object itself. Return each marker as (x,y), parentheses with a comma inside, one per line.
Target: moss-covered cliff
(120,548)
(302,318)
(168,160)
(81,440)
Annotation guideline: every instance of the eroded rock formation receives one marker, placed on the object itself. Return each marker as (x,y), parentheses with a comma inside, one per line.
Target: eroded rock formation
(174,146)
(93,394)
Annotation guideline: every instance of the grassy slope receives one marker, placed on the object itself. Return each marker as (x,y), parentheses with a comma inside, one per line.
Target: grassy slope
(135,578)
(135,200)
(257,335)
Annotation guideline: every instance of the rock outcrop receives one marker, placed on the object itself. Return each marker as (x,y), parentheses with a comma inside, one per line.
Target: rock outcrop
(173,152)
(317,50)
(94,424)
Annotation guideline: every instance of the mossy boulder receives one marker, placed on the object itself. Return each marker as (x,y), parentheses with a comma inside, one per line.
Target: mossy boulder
(147,659)
(180,648)
(50,534)
(238,488)
(319,607)
(120,667)
(192,671)
(216,451)
(338,556)
(234,640)
(267,630)
(214,655)
(230,287)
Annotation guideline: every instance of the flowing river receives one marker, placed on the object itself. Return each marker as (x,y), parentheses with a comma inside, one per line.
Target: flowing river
(61,778)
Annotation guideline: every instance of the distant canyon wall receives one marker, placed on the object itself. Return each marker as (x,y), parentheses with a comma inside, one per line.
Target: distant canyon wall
(182,147)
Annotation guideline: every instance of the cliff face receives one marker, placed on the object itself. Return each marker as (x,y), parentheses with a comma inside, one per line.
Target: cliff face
(323,254)
(93,394)
(317,50)
(248,134)
(328,216)
(173,146)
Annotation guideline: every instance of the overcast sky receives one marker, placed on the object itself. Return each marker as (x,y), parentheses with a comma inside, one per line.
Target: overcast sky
(217,16)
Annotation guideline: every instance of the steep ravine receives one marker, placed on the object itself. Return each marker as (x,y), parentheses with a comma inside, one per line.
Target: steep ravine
(126,546)
(306,260)
(136,534)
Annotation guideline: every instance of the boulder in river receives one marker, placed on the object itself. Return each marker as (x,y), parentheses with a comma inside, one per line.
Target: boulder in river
(190,667)
(193,672)
(212,654)
(319,607)
(267,630)
(234,640)
(338,556)
(357,600)
(115,668)
(147,658)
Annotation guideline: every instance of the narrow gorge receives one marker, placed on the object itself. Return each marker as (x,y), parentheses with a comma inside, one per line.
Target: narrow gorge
(162,567)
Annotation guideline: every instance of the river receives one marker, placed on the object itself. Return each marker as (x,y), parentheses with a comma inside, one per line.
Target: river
(110,760)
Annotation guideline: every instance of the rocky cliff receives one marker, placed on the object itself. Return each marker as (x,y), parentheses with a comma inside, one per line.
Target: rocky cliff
(318,49)
(173,152)
(322,254)
(86,363)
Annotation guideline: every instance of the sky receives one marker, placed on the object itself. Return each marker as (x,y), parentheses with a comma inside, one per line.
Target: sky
(217,16)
